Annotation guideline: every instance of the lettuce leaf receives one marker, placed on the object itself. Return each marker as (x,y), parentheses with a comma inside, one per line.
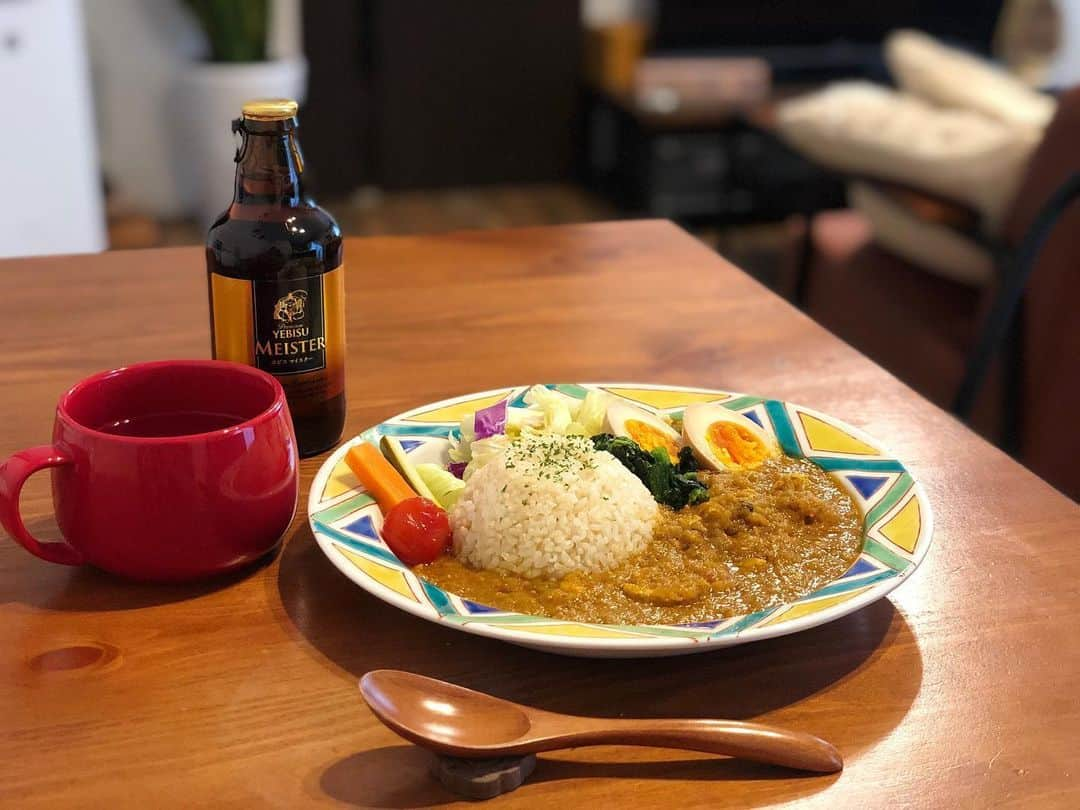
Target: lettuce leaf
(444,486)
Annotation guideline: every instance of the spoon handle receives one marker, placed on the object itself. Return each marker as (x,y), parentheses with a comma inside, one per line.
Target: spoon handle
(751,741)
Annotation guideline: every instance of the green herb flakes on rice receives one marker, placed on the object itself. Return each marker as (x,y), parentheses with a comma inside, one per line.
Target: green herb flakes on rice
(549,505)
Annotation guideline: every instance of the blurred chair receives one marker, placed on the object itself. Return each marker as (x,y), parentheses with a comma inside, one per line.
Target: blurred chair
(1005,355)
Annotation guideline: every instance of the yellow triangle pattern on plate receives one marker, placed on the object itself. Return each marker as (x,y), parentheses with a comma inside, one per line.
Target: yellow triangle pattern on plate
(576,630)
(668,399)
(904,527)
(453,413)
(807,608)
(390,577)
(826,438)
(341,480)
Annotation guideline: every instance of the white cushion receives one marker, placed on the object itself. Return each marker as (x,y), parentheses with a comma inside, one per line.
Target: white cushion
(932,246)
(953,78)
(864,129)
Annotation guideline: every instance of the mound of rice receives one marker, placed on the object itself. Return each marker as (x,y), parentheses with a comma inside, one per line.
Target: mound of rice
(549,505)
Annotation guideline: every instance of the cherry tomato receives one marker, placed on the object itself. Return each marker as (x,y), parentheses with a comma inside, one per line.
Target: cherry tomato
(417,530)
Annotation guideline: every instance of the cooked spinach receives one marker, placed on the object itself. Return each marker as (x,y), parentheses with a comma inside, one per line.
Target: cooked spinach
(670,485)
(687,462)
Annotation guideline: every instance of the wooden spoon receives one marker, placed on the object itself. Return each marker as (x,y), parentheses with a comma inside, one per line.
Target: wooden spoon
(453,720)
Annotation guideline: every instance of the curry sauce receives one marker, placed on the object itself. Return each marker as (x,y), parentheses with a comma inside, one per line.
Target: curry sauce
(764,537)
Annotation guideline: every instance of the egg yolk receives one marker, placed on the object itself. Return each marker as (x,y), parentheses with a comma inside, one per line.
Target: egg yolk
(649,438)
(735,445)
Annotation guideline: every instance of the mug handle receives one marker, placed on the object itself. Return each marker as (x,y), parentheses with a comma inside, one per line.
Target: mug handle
(13,474)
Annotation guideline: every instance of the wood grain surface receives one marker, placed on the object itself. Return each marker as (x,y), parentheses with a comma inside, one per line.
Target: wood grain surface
(962,689)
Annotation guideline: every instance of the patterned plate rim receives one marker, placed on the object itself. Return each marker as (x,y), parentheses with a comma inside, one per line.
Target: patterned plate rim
(881,485)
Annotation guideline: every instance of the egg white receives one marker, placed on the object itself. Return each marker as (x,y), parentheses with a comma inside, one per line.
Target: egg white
(699,418)
(619,413)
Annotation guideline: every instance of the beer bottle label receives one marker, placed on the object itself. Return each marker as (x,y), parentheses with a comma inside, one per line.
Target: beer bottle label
(287,328)
(290,333)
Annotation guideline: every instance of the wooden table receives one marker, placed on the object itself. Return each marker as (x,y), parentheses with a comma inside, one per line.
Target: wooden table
(960,690)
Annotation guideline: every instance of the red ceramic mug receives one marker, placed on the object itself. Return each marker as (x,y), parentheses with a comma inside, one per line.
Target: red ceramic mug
(164,471)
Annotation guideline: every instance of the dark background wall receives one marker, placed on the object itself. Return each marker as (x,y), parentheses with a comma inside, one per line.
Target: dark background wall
(422,94)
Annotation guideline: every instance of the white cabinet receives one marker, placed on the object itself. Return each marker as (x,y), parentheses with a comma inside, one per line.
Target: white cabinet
(51,198)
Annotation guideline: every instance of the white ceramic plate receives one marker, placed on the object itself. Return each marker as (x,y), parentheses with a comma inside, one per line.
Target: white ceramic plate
(897,528)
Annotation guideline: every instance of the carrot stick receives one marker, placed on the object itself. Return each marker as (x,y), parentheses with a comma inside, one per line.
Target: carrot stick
(378,476)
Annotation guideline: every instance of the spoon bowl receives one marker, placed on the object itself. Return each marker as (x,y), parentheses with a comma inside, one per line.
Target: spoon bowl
(437,713)
(460,722)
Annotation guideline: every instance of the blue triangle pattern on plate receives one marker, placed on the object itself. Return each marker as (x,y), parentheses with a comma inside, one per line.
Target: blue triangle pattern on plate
(363,527)
(867,485)
(476,607)
(410,444)
(753,417)
(861,566)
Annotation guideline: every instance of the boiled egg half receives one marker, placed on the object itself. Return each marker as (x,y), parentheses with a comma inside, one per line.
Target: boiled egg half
(647,429)
(722,439)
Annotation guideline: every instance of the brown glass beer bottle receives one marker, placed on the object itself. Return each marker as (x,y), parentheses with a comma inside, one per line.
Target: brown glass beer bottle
(276,280)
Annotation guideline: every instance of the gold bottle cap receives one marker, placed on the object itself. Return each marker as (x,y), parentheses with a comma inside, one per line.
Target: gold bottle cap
(270,109)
